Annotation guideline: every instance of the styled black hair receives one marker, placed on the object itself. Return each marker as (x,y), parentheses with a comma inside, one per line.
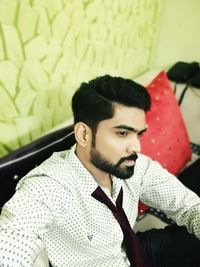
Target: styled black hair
(94,101)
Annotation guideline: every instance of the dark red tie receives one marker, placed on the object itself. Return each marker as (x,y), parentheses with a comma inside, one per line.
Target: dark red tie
(131,242)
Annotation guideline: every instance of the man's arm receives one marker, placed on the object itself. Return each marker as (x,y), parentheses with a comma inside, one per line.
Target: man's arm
(22,222)
(164,191)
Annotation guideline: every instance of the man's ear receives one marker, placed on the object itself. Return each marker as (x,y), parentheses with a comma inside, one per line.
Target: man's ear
(82,133)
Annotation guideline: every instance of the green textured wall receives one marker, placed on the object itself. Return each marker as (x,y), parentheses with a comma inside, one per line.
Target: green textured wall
(178,37)
(48,47)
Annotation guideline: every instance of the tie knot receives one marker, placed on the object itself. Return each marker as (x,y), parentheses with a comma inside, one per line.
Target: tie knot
(101,196)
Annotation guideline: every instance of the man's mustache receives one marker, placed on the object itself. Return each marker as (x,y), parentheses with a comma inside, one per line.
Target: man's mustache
(131,157)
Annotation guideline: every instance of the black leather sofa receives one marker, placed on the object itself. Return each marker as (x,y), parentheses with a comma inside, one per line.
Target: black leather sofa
(18,163)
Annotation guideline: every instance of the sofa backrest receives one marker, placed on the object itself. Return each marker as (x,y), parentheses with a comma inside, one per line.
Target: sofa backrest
(14,166)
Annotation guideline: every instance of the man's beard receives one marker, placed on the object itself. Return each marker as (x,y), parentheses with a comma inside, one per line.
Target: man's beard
(122,172)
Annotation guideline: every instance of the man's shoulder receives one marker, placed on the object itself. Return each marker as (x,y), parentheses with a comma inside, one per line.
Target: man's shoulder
(142,167)
(54,170)
(142,161)
(54,164)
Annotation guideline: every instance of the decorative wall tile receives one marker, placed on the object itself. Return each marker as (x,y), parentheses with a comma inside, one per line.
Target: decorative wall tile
(48,47)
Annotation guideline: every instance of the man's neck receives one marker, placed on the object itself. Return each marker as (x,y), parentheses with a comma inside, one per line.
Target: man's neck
(103,178)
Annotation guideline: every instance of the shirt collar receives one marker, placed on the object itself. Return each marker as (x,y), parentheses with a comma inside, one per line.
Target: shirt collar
(83,176)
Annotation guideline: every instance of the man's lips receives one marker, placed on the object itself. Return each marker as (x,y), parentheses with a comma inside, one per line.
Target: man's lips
(129,162)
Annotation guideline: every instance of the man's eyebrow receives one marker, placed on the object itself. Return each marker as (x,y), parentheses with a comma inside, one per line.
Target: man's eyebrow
(125,127)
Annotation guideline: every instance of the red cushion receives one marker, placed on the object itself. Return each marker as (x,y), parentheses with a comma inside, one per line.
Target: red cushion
(166,139)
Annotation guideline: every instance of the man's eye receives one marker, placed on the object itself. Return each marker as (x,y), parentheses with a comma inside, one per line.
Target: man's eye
(122,133)
(140,135)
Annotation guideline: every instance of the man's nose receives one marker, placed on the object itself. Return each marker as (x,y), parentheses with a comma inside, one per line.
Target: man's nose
(134,146)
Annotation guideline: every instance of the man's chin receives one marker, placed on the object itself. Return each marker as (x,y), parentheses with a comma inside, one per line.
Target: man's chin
(125,174)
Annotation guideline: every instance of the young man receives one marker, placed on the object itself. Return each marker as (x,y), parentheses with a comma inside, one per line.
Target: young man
(80,205)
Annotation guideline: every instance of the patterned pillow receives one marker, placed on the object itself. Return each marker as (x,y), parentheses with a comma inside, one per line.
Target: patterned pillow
(166,139)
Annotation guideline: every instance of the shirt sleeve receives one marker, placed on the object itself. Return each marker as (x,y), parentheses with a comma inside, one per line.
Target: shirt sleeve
(23,220)
(164,191)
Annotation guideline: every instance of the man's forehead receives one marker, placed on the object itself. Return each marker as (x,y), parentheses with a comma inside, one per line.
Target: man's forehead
(128,116)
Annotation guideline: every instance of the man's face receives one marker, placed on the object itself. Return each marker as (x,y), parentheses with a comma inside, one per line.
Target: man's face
(117,143)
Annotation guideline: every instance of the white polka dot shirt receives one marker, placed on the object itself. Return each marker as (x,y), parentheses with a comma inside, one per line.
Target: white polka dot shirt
(53,209)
